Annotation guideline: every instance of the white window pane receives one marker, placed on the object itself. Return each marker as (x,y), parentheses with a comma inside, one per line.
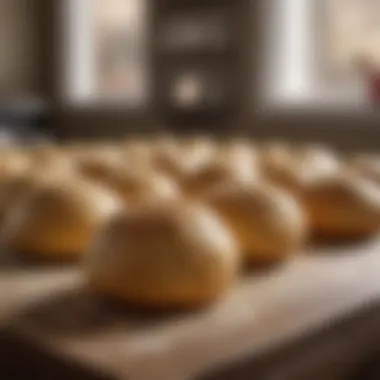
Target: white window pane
(298,66)
(78,50)
(290,46)
(106,40)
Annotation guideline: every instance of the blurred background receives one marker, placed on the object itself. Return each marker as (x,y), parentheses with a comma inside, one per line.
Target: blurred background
(296,69)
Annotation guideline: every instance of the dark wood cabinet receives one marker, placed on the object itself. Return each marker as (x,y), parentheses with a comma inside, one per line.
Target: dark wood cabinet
(199,61)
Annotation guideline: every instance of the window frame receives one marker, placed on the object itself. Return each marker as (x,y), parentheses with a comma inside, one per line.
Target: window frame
(70,48)
(295,31)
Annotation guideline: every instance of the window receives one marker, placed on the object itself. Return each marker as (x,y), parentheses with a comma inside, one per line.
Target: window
(105,52)
(310,52)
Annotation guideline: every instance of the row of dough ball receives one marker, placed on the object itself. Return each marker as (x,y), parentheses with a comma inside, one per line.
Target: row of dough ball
(164,224)
(339,195)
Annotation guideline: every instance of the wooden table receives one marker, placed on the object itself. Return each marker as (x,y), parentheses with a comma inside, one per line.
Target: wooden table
(313,317)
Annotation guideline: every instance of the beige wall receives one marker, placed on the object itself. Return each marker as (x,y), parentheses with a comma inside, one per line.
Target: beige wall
(18,46)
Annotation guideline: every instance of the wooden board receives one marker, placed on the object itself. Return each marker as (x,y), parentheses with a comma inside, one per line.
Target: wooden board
(266,309)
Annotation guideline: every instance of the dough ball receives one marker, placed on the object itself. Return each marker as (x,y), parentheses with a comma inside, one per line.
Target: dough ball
(268,223)
(177,256)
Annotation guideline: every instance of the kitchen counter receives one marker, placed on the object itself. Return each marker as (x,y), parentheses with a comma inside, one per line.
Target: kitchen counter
(315,316)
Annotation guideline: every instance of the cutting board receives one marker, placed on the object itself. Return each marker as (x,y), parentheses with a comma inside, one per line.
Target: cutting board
(51,307)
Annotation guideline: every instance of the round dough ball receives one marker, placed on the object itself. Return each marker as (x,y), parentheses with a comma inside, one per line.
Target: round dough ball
(57,220)
(164,143)
(197,183)
(239,155)
(49,159)
(176,256)
(343,206)
(172,164)
(295,168)
(177,158)
(366,166)
(97,165)
(319,158)
(79,149)
(137,187)
(42,152)
(200,149)
(13,162)
(275,151)
(268,223)
(138,154)
(165,150)
(12,189)
(177,162)
(276,163)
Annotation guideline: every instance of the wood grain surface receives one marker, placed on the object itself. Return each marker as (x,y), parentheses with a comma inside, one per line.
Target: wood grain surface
(51,307)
